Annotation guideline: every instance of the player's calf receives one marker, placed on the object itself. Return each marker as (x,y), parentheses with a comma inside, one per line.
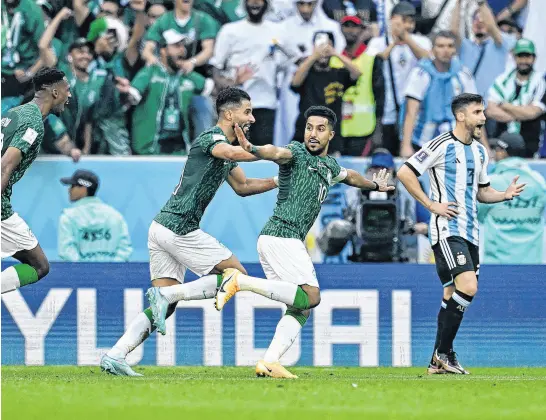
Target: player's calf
(34,266)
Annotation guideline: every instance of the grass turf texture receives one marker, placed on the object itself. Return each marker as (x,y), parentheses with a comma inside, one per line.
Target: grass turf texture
(80,393)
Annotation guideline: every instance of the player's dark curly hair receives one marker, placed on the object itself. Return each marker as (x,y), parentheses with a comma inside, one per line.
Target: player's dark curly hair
(322,111)
(463,100)
(230,97)
(47,77)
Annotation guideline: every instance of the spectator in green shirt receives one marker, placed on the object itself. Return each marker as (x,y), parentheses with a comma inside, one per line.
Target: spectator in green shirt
(199,29)
(223,11)
(116,57)
(22,27)
(162,93)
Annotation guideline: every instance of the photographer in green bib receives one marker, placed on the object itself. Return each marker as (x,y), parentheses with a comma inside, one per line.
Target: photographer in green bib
(162,94)
(22,27)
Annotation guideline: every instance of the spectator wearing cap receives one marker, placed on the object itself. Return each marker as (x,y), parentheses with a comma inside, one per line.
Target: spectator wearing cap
(296,38)
(486,54)
(200,31)
(90,230)
(365,10)
(517,99)
(84,85)
(162,94)
(247,54)
(22,27)
(364,102)
(431,87)
(514,230)
(116,56)
(400,51)
(318,81)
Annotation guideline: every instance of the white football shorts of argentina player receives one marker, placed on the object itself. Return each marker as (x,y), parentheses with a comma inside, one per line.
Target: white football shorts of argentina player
(16,236)
(286,259)
(171,254)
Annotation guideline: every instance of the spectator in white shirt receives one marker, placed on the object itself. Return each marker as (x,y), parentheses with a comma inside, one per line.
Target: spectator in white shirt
(400,52)
(246,55)
(297,34)
(535,30)
(431,87)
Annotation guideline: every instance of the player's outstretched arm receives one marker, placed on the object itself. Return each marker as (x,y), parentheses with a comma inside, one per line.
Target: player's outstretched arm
(279,155)
(244,186)
(234,153)
(10,161)
(490,195)
(378,183)
(411,182)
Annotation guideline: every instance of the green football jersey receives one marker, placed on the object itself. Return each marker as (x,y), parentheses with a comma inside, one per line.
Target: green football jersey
(23,128)
(203,174)
(304,183)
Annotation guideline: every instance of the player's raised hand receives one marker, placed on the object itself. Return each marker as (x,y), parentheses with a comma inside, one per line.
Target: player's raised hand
(514,189)
(382,179)
(448,210)
(243,142)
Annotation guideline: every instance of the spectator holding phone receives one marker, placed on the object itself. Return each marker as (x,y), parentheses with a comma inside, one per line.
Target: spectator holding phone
(319,83)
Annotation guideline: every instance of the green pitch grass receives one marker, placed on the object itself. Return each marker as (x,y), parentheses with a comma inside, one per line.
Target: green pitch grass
(81,393)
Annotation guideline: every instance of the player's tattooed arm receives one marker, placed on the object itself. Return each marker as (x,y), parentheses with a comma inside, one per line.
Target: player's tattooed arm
(490,195)
(379,182)
(244,186)
(279,155)
(10,161)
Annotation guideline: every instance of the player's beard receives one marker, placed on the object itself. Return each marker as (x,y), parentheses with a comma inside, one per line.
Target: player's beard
(477,135)
(246,130)
(315,152)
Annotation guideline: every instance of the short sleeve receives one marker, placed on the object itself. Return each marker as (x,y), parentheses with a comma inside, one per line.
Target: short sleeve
(142,79)
(208,142)
(417,84)
(207,27)
(339,173)
(297,151)
(425,158)
(24,137)
(201,86)
(483,179)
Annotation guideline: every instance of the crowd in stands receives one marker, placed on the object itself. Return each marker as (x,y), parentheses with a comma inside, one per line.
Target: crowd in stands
(144,73)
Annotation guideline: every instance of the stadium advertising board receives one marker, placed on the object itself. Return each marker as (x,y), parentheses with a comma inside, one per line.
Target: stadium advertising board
(370,315)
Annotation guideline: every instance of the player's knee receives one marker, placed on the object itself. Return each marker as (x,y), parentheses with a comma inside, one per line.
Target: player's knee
(470,289)
(314,298)
(42,268)
(448,292)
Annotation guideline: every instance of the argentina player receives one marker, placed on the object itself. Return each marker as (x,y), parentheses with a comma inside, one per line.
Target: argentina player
(457,166)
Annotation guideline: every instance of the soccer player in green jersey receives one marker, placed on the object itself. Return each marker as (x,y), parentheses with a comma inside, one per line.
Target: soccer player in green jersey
(22,135)
(306,173)
(175,241)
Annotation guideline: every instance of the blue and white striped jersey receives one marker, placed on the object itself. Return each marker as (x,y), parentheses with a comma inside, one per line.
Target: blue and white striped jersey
(456,172)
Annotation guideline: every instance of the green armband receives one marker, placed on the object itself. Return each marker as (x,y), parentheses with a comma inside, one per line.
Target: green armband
(254,149)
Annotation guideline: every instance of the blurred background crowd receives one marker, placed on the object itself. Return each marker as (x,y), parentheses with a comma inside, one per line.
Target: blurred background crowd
(144,74)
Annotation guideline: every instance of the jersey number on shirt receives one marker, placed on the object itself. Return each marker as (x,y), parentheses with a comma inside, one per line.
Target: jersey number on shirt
(323,192)
(469,177)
